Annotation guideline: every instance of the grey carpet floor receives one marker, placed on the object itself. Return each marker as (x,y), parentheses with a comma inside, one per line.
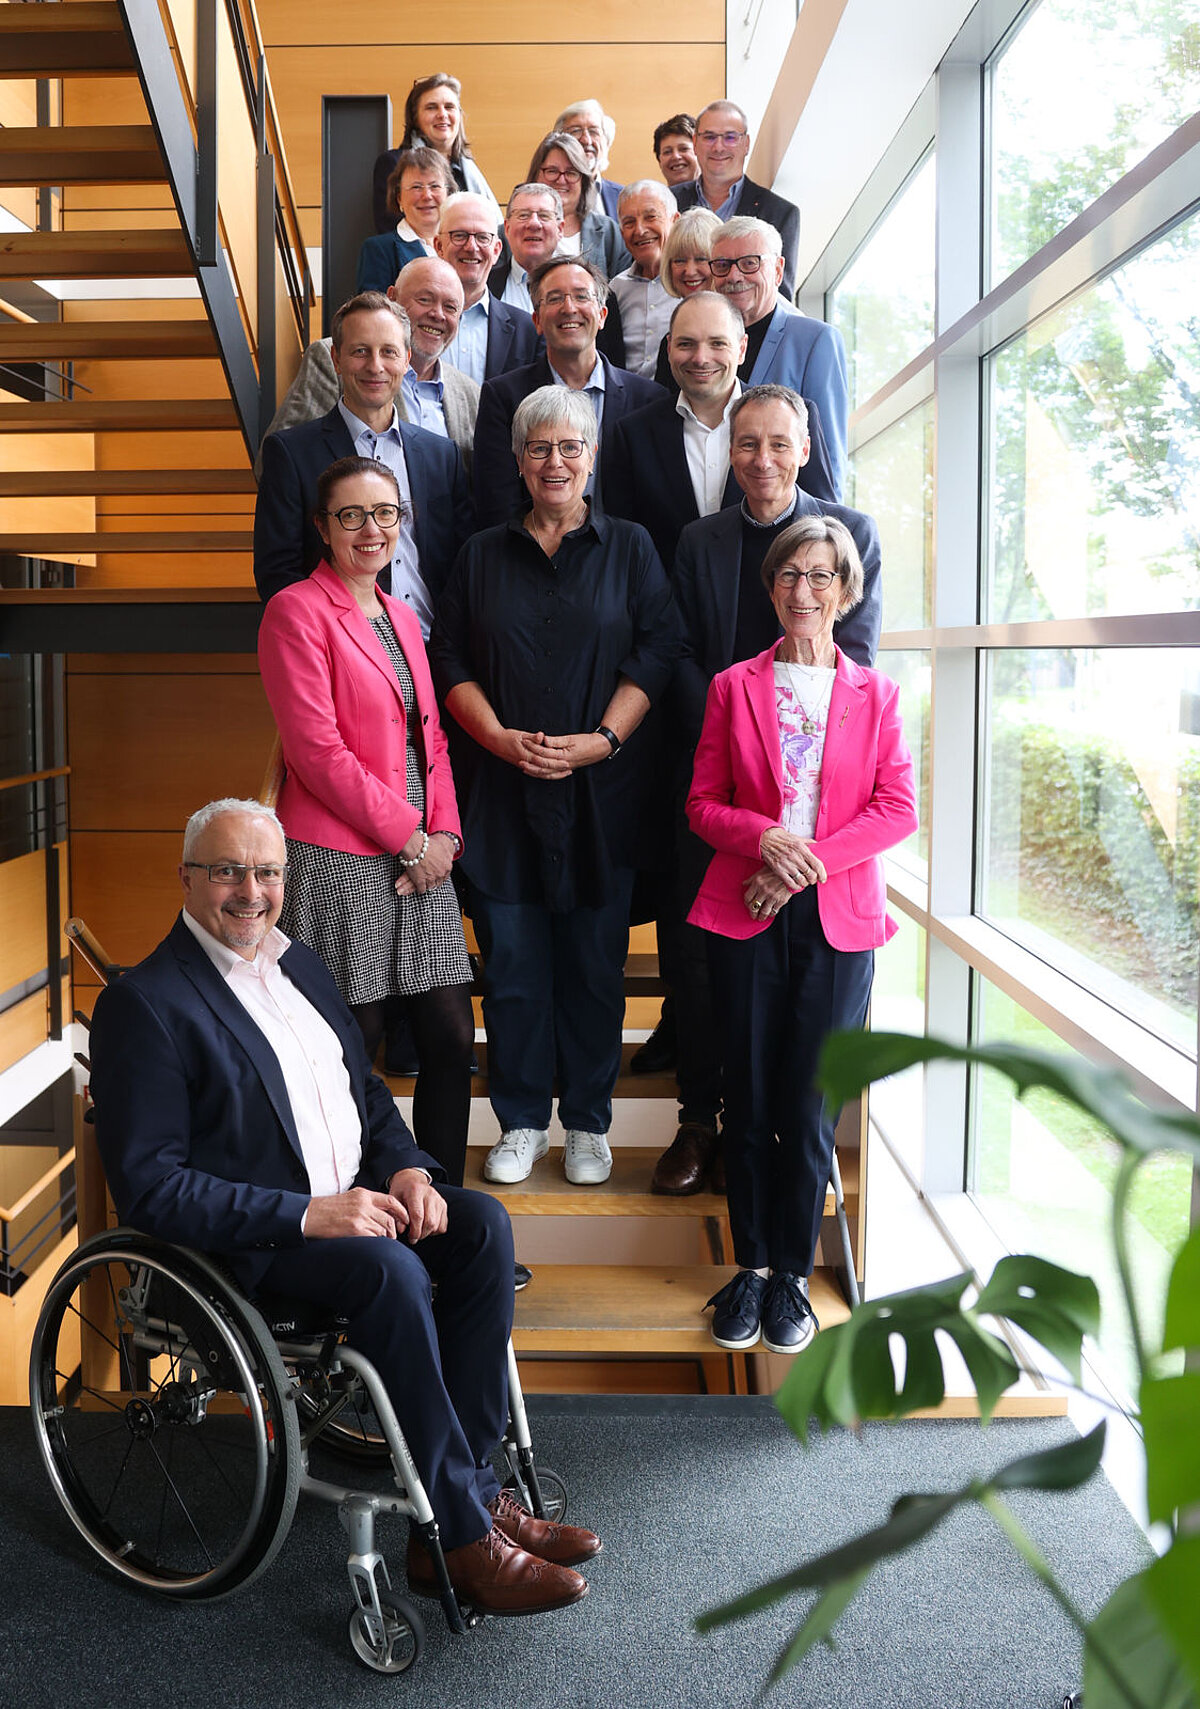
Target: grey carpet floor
(696,1499)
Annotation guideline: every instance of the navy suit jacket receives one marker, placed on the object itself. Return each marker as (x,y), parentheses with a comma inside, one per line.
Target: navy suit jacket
(759,203)
(706,580)
(381,258)
(193,1119)
(809,356)
(287,546)
(512,341)
(647,478)
(499,489)
(610,340)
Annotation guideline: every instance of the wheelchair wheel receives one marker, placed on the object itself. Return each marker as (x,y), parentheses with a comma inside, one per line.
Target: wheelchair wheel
(354,1434)
(398,1646)
(171,1439)
(551,1488)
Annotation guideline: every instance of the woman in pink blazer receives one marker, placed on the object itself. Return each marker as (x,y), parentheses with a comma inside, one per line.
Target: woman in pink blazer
(368,801)
(802,779)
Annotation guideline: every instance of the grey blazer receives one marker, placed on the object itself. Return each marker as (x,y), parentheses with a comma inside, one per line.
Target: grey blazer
(315,390)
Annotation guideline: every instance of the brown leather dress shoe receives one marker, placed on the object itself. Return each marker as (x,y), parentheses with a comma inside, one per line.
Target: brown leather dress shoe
(683,1165)
(496,1577)
(565,1545)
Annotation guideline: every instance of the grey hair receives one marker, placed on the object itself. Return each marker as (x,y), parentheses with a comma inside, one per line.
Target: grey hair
(723,106)
(534,189)
(743,225)
(203,817)
(650,186)
(692,234)
(814,531)
(772,393)
(549,406)
(452,203)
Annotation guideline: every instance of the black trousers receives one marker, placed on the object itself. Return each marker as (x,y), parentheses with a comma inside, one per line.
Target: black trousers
(444,1362)
(778,996)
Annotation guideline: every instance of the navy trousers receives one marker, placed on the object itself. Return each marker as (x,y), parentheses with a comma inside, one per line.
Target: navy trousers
(554,1007)
(779,995)
(443,1361)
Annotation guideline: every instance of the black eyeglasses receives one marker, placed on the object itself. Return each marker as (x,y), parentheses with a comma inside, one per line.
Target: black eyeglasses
(354,516)
(816,579)
(744,263)
(234,872)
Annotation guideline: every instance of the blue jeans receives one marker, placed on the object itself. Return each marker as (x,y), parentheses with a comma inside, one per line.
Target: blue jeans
(554,1007)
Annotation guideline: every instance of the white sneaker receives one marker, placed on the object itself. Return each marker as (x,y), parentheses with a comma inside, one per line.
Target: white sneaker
(587,1161)
(514,1155)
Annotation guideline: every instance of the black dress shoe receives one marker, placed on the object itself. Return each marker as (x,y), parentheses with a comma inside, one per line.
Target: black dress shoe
(657,1055)
(522,1276)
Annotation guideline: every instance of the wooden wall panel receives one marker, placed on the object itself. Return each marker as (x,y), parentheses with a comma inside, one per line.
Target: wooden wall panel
(23,915)
(501,23)
(147,750)
(126,887)
(504,131)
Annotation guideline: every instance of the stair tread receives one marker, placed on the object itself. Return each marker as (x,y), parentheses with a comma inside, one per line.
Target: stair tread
(613,1308)
(80,154)
(94,254)
(627,1086)
(87,37)
(71,340)
(110,483)
(116,415)
(152,540)
(547,1192)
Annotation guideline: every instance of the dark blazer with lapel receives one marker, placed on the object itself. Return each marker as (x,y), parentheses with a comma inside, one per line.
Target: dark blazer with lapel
(610,340)
(193,1119)
(499,490)
(708,563)
(512,341)
(287,546)
(759,203)
(381,258)
(646,476)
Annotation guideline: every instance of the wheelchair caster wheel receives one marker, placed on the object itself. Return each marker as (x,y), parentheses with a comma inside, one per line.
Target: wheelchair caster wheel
(397,1647)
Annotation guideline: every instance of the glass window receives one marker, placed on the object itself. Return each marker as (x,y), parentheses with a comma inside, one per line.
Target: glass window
(1081,92)
(891,478)
(1094,501)
(1091,821)
(1042,1172)
(911,669)
(898,1006)
(883,303)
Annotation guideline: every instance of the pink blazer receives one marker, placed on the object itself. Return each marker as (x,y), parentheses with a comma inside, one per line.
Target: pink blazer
(340,714)
(868,798)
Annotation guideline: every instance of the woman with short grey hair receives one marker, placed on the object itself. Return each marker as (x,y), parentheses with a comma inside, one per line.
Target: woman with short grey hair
(553,636)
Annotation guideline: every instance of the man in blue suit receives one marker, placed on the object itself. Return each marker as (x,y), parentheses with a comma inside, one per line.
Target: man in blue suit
(236,1112)
(569,310)
(722,144)
(785,347)
(370,353)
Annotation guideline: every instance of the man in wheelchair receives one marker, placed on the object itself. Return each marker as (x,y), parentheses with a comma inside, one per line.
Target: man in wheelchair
(236,1111)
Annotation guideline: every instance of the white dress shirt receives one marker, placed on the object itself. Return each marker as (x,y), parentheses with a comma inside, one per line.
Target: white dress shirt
(306,1047)
(707,452)
(407,582)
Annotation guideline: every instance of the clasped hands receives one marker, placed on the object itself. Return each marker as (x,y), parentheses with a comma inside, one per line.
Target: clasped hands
(789,865)
(432,870)
(410,1209)
(552,757)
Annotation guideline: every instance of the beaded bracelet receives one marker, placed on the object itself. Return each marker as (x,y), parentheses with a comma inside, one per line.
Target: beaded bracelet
(419,858)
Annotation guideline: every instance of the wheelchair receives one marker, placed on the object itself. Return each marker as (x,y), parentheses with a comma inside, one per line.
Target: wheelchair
(175,1420)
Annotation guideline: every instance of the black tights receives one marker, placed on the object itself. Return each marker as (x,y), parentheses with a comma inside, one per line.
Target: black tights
(443,1026)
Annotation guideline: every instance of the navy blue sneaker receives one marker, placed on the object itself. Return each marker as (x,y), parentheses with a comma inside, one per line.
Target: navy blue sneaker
(738,1314)
(788,1321)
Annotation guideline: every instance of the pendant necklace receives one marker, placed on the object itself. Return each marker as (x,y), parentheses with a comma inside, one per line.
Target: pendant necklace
(810,722)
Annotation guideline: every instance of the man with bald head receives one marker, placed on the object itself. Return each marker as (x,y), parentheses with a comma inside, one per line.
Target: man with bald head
(493,336)
(436,396)
(646,212)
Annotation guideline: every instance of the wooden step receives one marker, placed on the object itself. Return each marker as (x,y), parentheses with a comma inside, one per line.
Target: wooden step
(84,39)
(628,1085)
(124,483)
(79,154)
(76,340)
(635,1308)
(547,1192)
(642,978)
(94,254)
(153,540)
(115,415)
